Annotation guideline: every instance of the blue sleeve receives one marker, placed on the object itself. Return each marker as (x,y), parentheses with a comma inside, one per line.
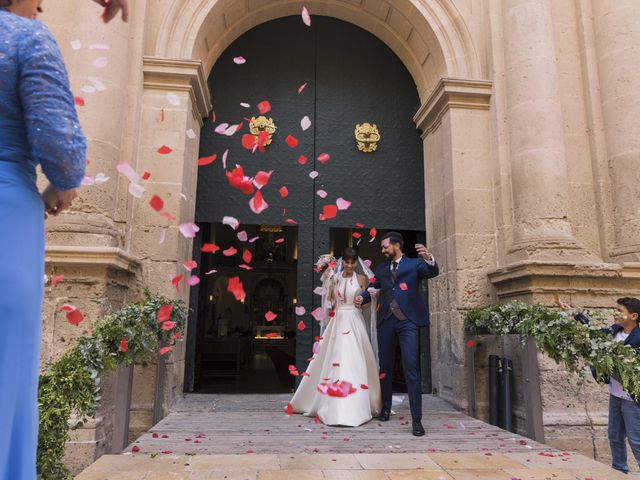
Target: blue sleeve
(53,129)
(427,271)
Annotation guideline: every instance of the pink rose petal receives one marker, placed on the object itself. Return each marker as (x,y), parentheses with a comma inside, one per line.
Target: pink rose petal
(306,18)
(342,204)
(300,311)
(189,230)
(318,314)
(240,60)
(231,221)
(321,194)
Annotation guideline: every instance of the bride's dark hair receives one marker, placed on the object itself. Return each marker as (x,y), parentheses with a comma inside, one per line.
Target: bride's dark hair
(349,254)
(5,3)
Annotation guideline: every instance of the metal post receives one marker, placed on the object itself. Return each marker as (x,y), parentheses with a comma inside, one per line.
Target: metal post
(494,391)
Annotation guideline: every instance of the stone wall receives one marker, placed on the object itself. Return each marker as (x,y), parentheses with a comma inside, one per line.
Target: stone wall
(531,166)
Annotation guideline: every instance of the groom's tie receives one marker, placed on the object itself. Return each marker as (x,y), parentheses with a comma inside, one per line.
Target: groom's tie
(394,273)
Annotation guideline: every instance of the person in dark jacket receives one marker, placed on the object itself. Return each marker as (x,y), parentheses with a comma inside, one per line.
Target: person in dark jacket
(624,412)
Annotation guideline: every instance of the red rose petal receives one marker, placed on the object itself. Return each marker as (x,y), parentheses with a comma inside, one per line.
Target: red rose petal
(247,256)
(291,141)
(470,343)
(156,203)
(301,325)
(382,375)
(236,288)
(403,286)
(75,317)
(207,160)
(270,316)
(264,107)
(284,192)
(165,350)
(329,211)
(79,101)
(146,176)
(289,410)
(209,248)
(164,150)
(164,313)
(302,160)
(229,252)
(324,158)
(123,345)
(248,141)
(57,279)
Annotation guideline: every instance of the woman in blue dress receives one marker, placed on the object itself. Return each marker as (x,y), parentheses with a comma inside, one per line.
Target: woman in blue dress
(38,126)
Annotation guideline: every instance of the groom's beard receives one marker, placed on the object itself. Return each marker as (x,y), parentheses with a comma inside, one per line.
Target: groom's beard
(389,256)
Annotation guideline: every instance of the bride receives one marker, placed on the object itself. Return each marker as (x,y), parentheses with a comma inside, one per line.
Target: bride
(341,385)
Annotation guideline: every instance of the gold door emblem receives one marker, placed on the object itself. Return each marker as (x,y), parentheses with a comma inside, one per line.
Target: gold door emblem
(262,124)
(367,137)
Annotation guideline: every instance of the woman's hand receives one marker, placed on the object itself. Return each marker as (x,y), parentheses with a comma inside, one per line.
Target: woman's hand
(112,7)
(56,201)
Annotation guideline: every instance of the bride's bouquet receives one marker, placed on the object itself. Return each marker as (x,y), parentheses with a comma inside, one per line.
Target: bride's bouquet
(325,265)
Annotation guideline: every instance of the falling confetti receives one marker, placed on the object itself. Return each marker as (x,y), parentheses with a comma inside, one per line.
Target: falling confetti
(306,18)
(342,204)
(264,107)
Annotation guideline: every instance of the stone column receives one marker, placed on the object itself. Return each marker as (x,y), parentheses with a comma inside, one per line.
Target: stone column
(537,151)
(86,244)
(455,121)
(617,39)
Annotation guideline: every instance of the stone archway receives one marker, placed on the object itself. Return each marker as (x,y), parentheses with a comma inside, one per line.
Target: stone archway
(431,38)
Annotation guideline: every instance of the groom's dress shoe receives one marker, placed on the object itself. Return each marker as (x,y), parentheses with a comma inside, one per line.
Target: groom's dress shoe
(384,415)
(418,429)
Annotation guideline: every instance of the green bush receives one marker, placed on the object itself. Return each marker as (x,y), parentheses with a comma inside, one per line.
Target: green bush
(562,338)
(72,384)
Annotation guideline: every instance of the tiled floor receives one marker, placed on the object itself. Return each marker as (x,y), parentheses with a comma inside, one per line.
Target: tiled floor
(385,466)
(248,437)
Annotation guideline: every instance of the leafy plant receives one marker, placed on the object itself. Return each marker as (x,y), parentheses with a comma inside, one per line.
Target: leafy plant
(72,384)
(565,340)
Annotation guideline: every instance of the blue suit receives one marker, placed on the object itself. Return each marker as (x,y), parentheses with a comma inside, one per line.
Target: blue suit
(406,291)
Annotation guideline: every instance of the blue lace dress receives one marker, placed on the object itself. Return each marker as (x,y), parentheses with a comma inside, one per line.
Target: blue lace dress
(38,126)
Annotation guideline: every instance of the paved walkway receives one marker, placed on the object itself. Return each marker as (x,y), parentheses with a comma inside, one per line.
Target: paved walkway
(246,437)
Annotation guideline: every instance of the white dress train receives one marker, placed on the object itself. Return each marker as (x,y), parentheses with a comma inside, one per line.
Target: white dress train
(345,353)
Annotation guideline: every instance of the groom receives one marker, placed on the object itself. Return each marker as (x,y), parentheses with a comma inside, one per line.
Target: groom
(401,313)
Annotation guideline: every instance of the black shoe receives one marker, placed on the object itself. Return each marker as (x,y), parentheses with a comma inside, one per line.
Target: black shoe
(384,415)
(418,429)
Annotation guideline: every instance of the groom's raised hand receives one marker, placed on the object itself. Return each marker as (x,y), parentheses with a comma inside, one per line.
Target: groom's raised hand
(423,252)
(112,7)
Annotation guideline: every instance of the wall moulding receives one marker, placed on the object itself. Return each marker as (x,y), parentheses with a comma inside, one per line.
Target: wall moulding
(452,93)
(179,75)
(74,256)
(541,281)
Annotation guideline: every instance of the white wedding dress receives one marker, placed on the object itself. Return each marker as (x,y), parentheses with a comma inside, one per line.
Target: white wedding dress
(345,354)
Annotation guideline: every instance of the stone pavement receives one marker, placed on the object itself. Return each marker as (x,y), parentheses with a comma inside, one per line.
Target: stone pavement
(248,437)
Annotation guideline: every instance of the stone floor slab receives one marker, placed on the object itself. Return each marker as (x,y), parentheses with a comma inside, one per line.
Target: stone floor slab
(291,475)
(395,461)
(319,462)
(473,460)
(418,475)
(355,475)
(234,462)
(480,474)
